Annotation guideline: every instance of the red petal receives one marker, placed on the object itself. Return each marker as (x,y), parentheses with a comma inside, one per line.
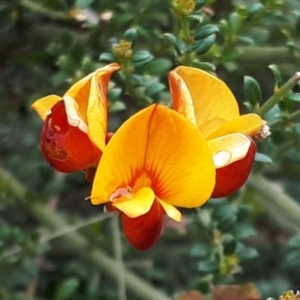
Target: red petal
(66,148)
(143,232)
(230,178)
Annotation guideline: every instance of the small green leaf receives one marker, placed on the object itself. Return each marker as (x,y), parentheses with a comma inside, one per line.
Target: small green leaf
(130,35)
(243,230)
(252,90)
(117,106)
(202,46)
(204,66)
(294,242)
(245,40)
(179,45)
(277,74)
(200,250)
(106,57)
(67,289)
(262,158)
(141,56)
(293,97)
(208,266)
(245,253)
(154,89)
(254,8)
(296,128)
(160,66)
(205,31)
(229,245)
(198,18)
(292,259)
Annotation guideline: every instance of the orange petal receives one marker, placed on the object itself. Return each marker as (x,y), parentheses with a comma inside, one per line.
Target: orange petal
(171,211)
(164,149)
(98,103)
(43,105)
(136,204)
(213,102)
(143,232)
(229,148)
(231,177)
(249,124)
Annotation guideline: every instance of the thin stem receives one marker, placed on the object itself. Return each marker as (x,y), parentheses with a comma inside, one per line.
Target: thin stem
(279,94)
(291,117)
(119,257)
(185,26)
(44,11)
(277,200)
(77,242)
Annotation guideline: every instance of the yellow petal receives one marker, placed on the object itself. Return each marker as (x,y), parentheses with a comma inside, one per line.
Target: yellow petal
(98,104)
(161,145)
(137,204)
(229,148)
(171,211)
(213,102)
(44,105)
(249,124)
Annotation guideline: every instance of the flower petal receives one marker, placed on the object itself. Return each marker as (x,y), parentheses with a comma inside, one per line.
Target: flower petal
(249,124)
(213,102)
(171,211)
(98,103)
(43,105)
(164,146)
(136,205)
(229,148)
(143,232)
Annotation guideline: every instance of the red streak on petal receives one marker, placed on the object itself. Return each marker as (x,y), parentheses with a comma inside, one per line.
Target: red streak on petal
(66,148)
(143,232)
(230,178)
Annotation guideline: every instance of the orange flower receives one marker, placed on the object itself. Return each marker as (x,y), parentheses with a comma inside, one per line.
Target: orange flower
(155,161)
(208,103)
(75,127)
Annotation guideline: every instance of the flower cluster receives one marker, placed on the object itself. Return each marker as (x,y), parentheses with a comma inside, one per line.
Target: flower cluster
(159,159)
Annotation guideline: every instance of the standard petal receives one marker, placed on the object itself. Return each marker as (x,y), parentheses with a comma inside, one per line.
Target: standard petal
(229,148)
(249,124)
(214,103)
(136,205)
(161,145)
(98,103)
(43,105)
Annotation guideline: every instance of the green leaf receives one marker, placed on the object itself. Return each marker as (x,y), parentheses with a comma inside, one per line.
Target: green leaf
(141,56)
(229,244)
(154,89)
(277,74)
(205,31)
(262,158)
(252,90)
(294,242)
(293,97)
(208,266)
(292,259)
(225,216)
(243,230)
(83,3)
(204,65)
(202,46)
(67,289)
(179,45)
(160,66)
(246,40)
(254,8)
(296,128)
(130,35)
(106,57)
(117,106)
(200,250)
(195,17)
(245,253)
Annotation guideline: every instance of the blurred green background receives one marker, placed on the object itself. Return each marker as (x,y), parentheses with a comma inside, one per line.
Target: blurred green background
(45,46)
